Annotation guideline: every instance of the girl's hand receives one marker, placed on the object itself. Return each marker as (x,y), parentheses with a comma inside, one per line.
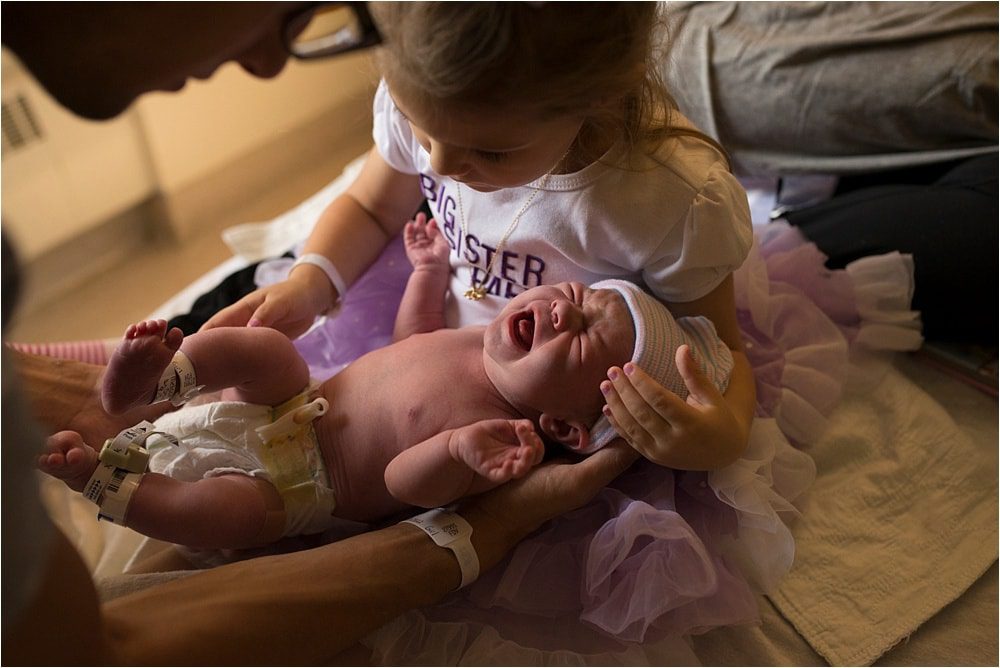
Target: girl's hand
(701,433)
(290,307)
(425,245)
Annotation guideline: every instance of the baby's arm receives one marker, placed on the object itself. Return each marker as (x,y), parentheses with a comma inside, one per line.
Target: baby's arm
(422,307)
(458,462)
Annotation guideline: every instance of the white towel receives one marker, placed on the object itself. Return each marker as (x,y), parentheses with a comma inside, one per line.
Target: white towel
(901,521)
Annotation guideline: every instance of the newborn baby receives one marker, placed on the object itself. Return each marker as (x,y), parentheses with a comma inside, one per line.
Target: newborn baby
(435,416)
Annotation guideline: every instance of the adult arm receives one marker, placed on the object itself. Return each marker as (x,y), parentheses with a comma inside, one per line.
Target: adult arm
(305,607)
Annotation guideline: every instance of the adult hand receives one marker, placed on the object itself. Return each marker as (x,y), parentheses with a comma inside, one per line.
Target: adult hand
(701,433)
(508,513)
(290,306)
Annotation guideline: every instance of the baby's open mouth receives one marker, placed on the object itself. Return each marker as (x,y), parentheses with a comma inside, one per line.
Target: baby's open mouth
(523,330)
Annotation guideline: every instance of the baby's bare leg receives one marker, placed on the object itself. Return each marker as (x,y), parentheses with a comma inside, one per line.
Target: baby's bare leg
(261,364)
(231,511)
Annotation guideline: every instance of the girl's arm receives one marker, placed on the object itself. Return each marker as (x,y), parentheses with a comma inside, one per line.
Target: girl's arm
(351,232)
(709,430)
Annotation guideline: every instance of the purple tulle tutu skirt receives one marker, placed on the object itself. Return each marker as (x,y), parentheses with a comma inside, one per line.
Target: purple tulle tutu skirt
(660,553)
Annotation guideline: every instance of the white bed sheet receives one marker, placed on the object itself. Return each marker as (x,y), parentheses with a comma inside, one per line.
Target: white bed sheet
(901,522)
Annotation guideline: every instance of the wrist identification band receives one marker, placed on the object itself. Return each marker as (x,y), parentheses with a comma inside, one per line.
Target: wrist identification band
(327,268)
(450,530)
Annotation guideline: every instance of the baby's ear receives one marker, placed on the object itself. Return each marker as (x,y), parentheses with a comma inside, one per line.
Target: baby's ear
(574,435)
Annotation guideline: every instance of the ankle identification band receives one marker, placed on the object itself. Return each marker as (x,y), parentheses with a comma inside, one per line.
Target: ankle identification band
(447,529)
(178,384)
(121,464)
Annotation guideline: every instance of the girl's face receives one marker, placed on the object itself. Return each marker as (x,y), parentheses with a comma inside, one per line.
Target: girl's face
(492,149)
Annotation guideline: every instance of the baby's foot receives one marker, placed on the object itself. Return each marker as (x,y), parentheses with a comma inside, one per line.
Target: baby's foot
(137,364)
(69,459)
(499,450)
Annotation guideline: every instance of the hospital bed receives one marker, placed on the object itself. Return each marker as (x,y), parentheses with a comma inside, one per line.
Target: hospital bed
(896,543)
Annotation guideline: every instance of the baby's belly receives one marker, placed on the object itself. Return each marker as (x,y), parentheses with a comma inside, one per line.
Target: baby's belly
(356,466)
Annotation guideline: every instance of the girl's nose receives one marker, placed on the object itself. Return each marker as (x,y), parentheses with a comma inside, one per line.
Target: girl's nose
(566,316)
(447,160)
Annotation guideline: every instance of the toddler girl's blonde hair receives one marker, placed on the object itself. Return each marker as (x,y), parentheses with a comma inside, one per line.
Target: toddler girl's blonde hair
(597,60)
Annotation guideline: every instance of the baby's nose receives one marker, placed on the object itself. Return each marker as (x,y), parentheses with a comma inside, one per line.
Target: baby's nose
(566,316)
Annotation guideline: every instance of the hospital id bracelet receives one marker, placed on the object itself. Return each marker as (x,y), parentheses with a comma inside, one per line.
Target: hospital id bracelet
(111,488)
(327,268)
(120,466)
(450,530)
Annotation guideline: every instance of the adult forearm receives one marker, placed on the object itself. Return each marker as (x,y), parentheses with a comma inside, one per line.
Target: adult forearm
(57,390)
(308,606)
(299,608)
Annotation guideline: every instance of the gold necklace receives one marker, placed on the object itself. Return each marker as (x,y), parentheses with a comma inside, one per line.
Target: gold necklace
(476,290)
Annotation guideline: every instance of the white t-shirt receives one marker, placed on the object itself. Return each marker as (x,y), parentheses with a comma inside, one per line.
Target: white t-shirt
(680,229)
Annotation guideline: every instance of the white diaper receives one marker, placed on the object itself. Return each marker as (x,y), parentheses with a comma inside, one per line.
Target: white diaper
(220,438)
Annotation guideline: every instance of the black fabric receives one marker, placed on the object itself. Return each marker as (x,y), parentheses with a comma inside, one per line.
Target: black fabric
(944,215)
(232,288)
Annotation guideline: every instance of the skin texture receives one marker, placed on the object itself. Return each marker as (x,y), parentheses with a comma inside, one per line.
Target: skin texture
(383,456)
(487,150)
(707,431)
(96,59)
(303,607)
(463,144)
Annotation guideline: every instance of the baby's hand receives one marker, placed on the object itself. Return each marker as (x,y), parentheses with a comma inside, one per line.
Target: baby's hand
(425,245)
(498,450)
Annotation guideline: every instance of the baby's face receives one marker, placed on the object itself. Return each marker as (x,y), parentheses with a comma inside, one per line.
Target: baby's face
(551,346)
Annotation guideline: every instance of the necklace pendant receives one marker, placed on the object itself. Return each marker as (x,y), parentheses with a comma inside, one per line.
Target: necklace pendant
(475,293)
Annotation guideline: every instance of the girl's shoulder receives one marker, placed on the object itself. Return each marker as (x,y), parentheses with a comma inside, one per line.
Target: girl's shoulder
(684,154)
(681,169)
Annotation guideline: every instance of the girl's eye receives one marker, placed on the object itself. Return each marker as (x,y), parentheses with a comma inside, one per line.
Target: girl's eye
(493,156)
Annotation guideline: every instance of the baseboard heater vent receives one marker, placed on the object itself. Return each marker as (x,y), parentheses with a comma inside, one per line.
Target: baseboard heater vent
(20,126)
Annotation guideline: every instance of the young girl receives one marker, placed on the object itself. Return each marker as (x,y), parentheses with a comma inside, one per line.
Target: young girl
(548,150)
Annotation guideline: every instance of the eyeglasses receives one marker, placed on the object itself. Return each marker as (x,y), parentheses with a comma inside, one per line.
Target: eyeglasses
(324,29)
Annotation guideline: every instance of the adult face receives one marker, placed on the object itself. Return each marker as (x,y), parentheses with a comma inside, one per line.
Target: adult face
(96,58)
(551,346)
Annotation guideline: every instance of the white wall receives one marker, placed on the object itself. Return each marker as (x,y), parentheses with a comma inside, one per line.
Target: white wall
(212,123)
(77,175)
(83,172)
